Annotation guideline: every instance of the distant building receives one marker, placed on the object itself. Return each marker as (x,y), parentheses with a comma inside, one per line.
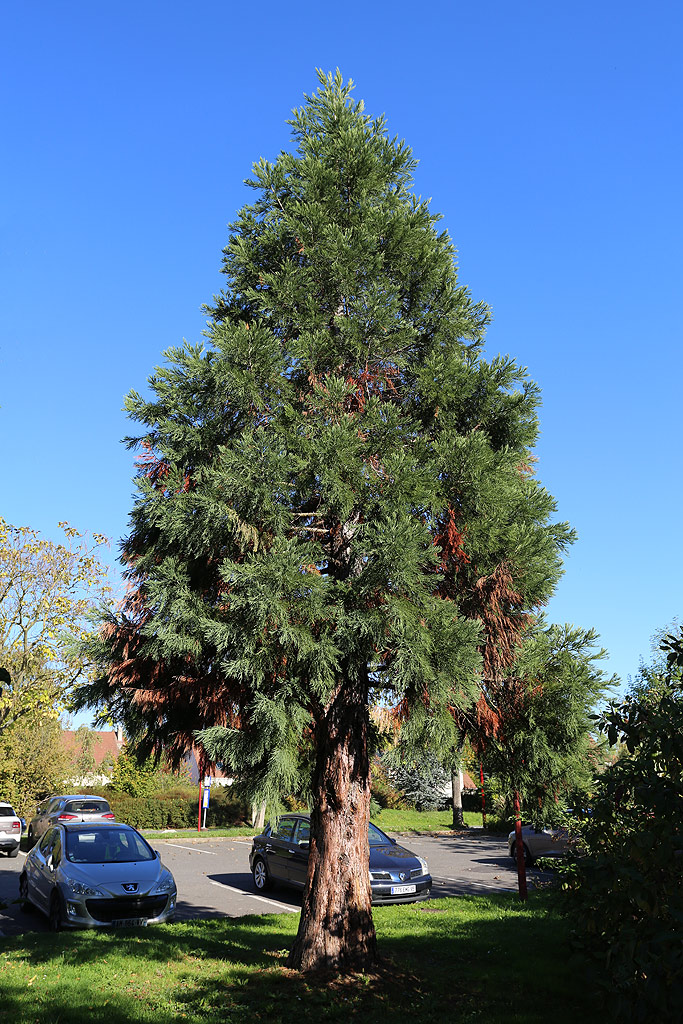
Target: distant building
(192,761)
(106,747)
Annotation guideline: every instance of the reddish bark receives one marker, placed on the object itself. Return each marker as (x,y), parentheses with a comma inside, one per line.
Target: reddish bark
(336,929)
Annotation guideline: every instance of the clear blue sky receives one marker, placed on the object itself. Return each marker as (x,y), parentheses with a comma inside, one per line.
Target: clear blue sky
(549,136)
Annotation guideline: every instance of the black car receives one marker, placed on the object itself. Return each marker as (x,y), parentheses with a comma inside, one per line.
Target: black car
(280,854)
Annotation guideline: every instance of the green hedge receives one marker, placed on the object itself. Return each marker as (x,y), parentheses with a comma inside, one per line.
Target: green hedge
(177,808)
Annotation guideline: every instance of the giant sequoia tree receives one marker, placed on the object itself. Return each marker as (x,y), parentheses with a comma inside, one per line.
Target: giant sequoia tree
(314,480)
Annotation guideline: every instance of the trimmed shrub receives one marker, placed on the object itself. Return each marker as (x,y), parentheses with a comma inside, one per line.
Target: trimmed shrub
(177,809)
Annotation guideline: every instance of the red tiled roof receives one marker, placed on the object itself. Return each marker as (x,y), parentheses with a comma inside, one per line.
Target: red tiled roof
(105,745)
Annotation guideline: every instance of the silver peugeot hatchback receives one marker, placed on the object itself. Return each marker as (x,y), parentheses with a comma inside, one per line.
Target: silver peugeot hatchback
(97,876)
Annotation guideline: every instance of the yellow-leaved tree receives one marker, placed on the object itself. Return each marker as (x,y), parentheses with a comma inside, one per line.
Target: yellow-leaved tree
(47,592)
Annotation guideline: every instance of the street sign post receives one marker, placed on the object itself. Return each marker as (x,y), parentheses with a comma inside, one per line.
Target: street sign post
(206,797)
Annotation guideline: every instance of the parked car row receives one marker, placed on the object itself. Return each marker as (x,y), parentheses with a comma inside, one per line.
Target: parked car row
(86,870)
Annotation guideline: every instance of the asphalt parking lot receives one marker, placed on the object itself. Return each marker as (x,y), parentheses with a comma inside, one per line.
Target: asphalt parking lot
(214,880)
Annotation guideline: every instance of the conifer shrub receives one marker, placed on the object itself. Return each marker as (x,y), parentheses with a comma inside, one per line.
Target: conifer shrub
(383,791)
(422,781)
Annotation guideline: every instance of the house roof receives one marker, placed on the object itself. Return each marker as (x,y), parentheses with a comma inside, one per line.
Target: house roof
(194,758)
(105,745)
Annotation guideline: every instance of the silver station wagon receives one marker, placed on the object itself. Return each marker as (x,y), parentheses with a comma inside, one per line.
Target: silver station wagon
(78,807)
(97,876)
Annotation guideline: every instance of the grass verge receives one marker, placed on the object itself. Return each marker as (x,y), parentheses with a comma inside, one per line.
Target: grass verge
(397,820)
(390,820)
(473,959)
(193,833)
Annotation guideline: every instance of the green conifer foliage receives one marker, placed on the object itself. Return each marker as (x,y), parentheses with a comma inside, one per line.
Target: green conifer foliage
(316,483)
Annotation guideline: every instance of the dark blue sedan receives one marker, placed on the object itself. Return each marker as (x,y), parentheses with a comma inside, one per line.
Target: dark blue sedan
(280,854)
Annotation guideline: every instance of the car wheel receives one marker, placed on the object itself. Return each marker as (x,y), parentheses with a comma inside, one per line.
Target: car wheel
(14,852)
(55,915)
(262,880)
(26,904)
(528,859)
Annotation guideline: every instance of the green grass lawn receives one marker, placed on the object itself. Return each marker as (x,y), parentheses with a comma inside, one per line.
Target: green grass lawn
(430,821)
(388,820)
(474,959)
(206,833)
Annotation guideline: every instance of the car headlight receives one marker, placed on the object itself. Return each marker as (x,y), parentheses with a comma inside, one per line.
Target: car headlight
(165,885)
(424,865)
(81,889)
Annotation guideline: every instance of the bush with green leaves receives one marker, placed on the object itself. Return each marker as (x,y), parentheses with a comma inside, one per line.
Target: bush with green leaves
(177,808)
(144,777)
(626,889)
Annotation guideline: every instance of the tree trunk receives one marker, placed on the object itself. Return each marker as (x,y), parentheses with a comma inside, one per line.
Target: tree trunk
(483,796)
(336,929)
(258,815)
(456,791)
(519,851)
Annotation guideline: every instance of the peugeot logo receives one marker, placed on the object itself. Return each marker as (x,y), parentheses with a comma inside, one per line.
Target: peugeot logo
(130,886)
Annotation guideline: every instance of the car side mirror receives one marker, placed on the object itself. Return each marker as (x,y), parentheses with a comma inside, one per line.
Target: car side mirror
(157,855)
(50,863)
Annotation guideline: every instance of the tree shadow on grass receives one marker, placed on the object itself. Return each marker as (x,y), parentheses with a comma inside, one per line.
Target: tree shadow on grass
(503,965)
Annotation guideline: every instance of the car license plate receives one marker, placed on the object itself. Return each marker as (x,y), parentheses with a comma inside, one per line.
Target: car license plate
(402,890)
(130,922)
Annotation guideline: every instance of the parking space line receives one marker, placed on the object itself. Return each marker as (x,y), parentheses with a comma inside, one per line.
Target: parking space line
(192,849)
(466,881)
(253,896)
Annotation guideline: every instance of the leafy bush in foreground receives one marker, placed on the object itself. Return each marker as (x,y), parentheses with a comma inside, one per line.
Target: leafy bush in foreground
(627,890)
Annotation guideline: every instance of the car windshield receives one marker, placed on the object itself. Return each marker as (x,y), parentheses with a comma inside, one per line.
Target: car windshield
(107,846)
(377,838)
(88,806)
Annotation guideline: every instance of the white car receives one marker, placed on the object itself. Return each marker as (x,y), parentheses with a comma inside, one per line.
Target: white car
(10,830)
(539,842)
